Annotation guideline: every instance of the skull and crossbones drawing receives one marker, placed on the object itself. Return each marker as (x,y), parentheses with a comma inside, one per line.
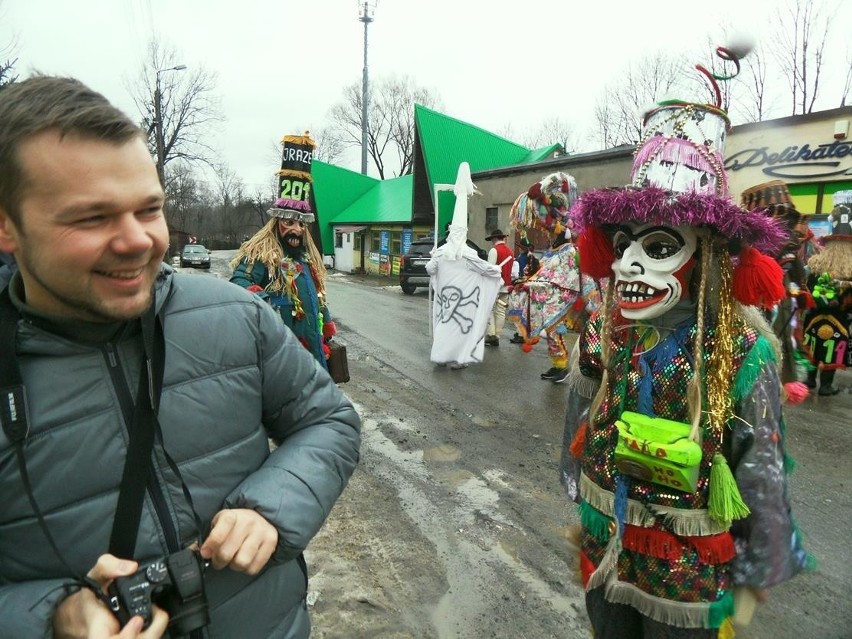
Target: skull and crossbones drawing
(451,301)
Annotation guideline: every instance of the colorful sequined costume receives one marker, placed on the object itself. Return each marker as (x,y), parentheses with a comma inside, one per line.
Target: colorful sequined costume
(674,562)
(674,436)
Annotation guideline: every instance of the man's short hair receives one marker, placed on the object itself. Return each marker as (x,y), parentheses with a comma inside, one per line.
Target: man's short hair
(43,103)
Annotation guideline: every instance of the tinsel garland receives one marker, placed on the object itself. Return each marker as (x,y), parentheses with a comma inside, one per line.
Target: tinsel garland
(720,369)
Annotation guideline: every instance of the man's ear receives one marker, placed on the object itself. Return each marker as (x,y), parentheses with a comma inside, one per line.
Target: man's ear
(8,233)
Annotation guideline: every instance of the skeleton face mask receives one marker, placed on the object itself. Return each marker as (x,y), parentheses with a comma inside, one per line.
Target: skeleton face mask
(651,267)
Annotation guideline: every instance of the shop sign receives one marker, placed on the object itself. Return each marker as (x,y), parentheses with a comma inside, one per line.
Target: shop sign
(796,162)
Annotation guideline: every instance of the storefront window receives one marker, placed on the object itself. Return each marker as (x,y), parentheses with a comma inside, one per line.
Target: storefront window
(396,243)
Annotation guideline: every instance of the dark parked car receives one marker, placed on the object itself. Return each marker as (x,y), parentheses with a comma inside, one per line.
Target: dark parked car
(195,255)
(412,266)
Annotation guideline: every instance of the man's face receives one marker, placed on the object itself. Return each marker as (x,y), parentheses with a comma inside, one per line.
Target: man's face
(92,233)
(652,266)
(292,234)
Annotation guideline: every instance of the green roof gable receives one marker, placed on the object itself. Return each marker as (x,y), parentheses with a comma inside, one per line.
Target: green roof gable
(446,142)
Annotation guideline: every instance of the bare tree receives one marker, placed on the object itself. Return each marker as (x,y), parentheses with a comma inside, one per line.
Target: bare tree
(847,83)
(800,34)
(390,119)
(7,75)
(618,111)
(553,130)
(755,104)
(330,145)
(189,107)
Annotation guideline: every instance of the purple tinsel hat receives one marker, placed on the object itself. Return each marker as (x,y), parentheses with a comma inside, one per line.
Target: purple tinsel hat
(295,183)
(678,176)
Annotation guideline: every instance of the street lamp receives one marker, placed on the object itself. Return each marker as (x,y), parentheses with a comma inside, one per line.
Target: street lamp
(366,10)
(158,124)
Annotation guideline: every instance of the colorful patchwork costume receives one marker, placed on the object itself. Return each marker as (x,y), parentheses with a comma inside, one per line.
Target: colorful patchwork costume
(558,298)
(674,436)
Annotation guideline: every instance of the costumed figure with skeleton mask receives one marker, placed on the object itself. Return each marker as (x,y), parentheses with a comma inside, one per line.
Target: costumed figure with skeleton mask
(281,263)
(674,444)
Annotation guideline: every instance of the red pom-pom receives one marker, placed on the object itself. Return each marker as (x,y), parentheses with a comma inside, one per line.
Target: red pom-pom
(526,347)
(255,288)
(329,330)
(758,279)
(796,392)
(535,191)
(596,254)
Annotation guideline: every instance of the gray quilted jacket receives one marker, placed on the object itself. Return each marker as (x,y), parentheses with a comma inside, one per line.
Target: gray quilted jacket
(234,377)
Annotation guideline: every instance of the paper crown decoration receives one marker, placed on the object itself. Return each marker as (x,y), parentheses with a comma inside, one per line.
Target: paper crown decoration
(678,176)
(295,184)
(546,204)
(842,197)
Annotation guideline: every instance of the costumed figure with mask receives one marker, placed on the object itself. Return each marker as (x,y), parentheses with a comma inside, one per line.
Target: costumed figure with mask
(828,326)
(281,264)
(773,199)
(557,298)
(465,288)
(674,445)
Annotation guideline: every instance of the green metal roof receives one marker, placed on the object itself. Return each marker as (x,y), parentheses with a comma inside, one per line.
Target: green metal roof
(388,202)
(446,142)
(347,197)
(335,188)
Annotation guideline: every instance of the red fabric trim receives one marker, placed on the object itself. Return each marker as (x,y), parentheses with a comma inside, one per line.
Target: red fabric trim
(586,568)
(254,288)
(578,444)
(654,542)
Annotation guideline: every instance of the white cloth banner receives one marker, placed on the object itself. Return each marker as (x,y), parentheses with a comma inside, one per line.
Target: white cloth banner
(465,291)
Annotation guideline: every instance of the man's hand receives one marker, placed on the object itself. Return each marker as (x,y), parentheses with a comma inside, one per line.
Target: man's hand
(84,616)
(241,539)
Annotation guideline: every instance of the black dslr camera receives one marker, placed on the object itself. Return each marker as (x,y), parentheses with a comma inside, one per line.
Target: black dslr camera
(175,583)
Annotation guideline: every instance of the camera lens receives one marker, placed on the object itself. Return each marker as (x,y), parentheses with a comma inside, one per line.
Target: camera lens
(156,572)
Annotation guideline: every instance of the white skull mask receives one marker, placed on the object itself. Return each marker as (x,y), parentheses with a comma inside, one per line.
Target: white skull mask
(651,266)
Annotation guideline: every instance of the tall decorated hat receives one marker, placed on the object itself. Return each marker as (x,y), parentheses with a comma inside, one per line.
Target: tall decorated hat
(773,199)
(678,178)
(295,183)
(545,205)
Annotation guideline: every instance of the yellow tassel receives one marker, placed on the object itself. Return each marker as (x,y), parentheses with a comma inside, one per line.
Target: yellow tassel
(726,630)
(725,502)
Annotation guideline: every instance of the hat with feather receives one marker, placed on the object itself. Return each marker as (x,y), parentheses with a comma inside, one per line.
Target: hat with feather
(678,178)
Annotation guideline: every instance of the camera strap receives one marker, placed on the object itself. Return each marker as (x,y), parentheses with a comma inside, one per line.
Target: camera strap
(137,464)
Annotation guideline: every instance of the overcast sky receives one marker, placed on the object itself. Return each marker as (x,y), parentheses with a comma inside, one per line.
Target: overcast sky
(281,65)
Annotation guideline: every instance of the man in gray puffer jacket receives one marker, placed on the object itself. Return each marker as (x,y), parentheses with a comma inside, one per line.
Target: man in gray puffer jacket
(81,211)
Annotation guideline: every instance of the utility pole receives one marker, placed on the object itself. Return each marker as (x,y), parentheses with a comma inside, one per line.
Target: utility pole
(159,142)
(366,16)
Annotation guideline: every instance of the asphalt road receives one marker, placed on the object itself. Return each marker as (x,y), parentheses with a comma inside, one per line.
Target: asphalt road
(452,525)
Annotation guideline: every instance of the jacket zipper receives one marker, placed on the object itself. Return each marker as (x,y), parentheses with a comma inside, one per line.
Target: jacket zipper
(154,489)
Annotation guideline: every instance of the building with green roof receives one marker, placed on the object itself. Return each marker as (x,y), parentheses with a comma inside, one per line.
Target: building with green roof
(367,223)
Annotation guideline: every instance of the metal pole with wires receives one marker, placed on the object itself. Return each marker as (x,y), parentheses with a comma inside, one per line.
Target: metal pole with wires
(366,11)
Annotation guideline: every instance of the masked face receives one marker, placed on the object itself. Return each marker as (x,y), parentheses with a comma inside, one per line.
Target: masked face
(292,234)
(652,266)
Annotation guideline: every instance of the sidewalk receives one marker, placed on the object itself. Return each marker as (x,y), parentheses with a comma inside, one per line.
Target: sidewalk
(368,279)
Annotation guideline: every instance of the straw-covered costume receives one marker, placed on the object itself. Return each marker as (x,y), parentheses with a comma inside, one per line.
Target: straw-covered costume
(281,263)
(557,298)
(674,437)
(828,326)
